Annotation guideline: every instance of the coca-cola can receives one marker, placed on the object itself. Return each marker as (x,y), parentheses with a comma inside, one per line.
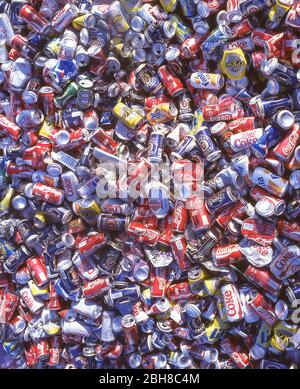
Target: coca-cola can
(9,128)
(289,230)
(232,302)
(44,193)
(170,81)
(70,184)
(178,246)
(130,330)
(142,233)
(158,281)
(10,304)
(235,351)
(38,271)
(263,279)
(55,347)
(179,216)
(96,287)
(34,19)
(226,255)
(33,304)
(285,148)
(92,243)
(179,291)
(261,307)
(42,350)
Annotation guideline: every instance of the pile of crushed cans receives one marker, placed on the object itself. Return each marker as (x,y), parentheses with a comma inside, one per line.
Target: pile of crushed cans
(164,279)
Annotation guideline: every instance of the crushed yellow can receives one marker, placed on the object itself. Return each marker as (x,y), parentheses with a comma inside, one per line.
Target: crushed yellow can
(127,116)
(233,64)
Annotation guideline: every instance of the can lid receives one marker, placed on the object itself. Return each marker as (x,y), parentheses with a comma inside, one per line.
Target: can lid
(267,67)
(19,203)
(51,63)
(86,84)
(192,310)
(54,169)
(159,48)
(138,40)
(235,16)
(139,55)
(202,9)
(222,18)
(29,97)
(32,240)
(172,53)
(169,29)
(113,90)
(285,119)
(68,239)
(237,180)
(219,129)
(226,30)
(264,208)
(137,23)
(295,179)
(89,20)
(28,190)
(113,64)
(164,326)
(68,43)
(84,36)
(201,26)
(68,215)
(141,273)
(280,207)
(62,137)
(281,310)
(64,264)
(134,360)
(273,87)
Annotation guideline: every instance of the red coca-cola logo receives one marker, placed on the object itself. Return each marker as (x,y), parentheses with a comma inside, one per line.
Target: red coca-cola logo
(54,355)
(238,122)
(226,249)
(161,283)
(239,44)
(143,232)
(136,309)
(110,208)
(178,214)
(292,141)
(27,299)
(230,304)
